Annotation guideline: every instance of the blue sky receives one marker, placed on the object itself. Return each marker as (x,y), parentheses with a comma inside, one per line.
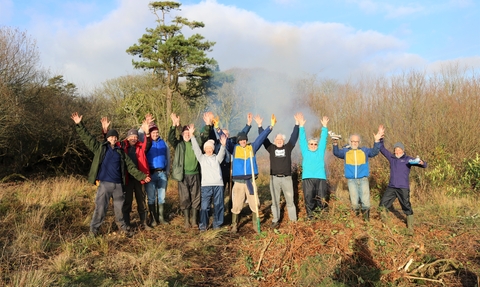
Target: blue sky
(86,40)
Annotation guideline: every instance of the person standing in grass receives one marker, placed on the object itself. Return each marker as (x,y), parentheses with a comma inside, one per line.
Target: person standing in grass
(314,176)
(186,169)
(212,182)
(281,171)
(399,183)
(136,150)
(158,156)
(242,175)
(108,168)
(357,170)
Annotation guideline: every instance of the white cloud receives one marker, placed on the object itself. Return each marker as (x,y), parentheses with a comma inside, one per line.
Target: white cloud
(92,54)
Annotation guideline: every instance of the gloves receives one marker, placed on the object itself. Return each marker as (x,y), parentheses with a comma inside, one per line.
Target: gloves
(216,122)
(273,120)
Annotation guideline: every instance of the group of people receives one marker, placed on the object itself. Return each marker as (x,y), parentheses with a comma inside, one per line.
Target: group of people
(207,163)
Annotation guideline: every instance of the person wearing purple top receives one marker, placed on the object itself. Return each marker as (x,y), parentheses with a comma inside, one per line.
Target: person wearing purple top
(399,184)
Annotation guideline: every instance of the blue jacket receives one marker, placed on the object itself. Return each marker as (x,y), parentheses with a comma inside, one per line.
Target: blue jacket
(356,160)
(242,168)
(313,162)
(399,168)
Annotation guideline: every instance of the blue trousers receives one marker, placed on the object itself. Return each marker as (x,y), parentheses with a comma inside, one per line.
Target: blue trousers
(209,193)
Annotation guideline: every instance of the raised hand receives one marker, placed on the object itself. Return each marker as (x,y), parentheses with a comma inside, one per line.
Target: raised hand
(105,124)
(325,121)
(191,129)
(175,119)
(149,118)
(249,119)
(76,118)
(207,118)
(297,118)
(301,119)
(380,134)
(258,120)
(223,140)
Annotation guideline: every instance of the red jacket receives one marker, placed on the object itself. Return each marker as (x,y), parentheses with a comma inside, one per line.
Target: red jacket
(140,148)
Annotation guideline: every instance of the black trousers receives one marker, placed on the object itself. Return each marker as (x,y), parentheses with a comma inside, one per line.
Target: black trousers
(403,195)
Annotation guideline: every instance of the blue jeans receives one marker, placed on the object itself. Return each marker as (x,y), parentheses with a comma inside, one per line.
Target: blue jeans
(359,190)
(209,193)
(157,183)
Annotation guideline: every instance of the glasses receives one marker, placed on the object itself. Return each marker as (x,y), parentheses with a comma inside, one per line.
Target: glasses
(313,144)
(355,141)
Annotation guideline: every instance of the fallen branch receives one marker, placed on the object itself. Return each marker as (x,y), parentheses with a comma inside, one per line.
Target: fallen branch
(426,279)
(261,255)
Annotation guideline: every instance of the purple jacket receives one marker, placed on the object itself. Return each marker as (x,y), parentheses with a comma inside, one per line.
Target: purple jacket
(399,168)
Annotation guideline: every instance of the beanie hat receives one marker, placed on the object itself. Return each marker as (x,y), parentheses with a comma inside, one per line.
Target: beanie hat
(152,127)
(399,145)
(112,133)
(185,128)
(132,132)
(209,143)
(241,136)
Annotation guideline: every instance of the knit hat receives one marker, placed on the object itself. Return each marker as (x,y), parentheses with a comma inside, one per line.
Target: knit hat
(242,136)
(399,145)
(209,143)
(132,132)
(112,133)
(152,127)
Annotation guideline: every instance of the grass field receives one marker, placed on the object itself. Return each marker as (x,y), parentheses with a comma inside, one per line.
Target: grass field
(44,242)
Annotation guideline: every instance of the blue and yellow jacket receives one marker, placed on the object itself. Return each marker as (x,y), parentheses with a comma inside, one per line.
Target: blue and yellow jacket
(241,166)
(356,160)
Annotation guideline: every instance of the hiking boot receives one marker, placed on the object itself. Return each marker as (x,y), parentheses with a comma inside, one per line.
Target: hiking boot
(186,214)
(256,226)
(275,224)
(143,221)
(235,218)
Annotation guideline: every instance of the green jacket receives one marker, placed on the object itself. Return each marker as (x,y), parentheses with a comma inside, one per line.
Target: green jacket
(98,148)
(178,144)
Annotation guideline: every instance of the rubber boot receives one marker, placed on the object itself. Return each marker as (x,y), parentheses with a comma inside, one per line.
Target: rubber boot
(161,219)
(193,218)
(186,214)
(366,215)
(357,212)
(410,224)
(151,209)
(235,218)
(126,218)
(143,222)
(254,221)
(384,215)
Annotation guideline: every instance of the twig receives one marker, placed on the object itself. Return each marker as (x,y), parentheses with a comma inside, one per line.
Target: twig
(261,255)
(426,279)
(408,264)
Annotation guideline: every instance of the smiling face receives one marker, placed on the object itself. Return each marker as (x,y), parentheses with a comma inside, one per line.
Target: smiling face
(312,145)
(186,135)
(154,134)
(132,140)
(279,140)
(242,143)
(398,152)
(208,151)
(354,141)
(112,140)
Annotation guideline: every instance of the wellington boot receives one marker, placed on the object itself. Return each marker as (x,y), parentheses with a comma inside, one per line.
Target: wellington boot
(161,219)
(256,227)
(235,218)
(186,214)
(410,224)
(384,216)
(152,217)
(193,218)
(366,215)
(143,221)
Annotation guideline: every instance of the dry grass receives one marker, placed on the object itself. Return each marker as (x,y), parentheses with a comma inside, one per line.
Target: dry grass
(336,249)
